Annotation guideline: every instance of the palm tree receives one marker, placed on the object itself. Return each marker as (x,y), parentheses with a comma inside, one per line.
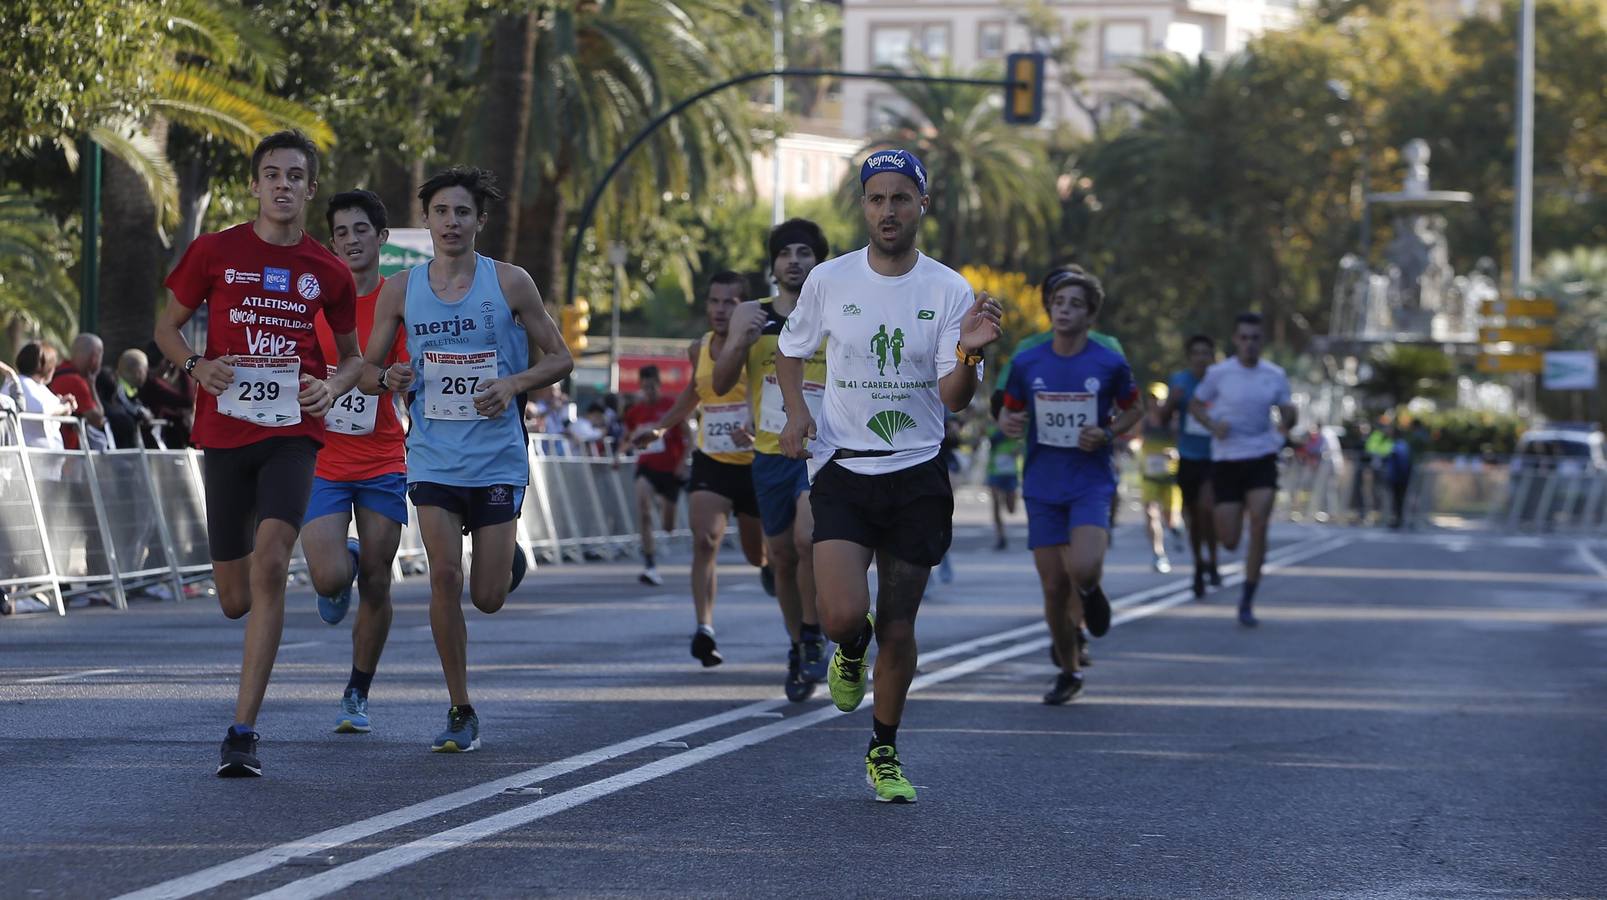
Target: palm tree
(35,293)
(993,193)
(598,72)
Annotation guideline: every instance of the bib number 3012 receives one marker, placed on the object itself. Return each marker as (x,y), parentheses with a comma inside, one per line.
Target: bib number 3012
(1062,415)
(264,391)
(452,379)
(353,413)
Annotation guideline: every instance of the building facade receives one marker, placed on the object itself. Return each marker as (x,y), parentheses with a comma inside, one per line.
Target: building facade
(973,33)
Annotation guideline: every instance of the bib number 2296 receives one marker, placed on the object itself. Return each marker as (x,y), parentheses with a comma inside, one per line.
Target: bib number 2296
(452,379)
(264,391)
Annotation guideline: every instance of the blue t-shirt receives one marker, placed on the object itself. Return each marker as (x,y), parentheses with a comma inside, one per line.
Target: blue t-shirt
(1191,442)
(1061,474)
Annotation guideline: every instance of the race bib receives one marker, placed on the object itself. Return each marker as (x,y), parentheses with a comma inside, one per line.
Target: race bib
(1194,426)
(1157,465)
(264,391)
(1003,464)
(772,408)
(353,412)
(1062,415)
(452,379)
(722,421)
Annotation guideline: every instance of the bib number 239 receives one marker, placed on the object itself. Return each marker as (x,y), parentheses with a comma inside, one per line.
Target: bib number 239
(1062,415)
(264,391)
(452,379)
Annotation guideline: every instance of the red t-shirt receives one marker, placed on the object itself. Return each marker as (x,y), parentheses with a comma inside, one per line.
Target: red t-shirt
(643,413)
(353,457)
(68,381)
(262,299)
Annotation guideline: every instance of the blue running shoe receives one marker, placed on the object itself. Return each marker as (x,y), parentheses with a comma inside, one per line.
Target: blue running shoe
(333,609)
(353,714)
(815,660)
(462,734)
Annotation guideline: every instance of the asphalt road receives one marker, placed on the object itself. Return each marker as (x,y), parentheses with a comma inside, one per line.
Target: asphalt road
(1418,716)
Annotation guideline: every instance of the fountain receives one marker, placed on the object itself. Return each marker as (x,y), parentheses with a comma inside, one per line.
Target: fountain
(1418,297)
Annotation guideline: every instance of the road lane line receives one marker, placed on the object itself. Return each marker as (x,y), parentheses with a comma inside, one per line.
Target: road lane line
(51,679)
(386,861)
(272,857)
(1592,560)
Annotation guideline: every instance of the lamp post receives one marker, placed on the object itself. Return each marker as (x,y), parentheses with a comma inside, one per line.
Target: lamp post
(616,258)
(778,200)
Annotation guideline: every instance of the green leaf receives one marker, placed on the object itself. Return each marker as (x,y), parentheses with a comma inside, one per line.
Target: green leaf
(889,422)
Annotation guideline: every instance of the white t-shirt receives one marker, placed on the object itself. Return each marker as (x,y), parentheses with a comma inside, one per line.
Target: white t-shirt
(892,339)
(37,398)
(1243,397)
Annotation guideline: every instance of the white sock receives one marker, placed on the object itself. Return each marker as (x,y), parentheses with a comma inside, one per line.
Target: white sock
(706,629)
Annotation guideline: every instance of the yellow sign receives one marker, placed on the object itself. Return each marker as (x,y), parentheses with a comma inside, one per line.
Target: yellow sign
(1536,308)
(1540,336)
(1526,363)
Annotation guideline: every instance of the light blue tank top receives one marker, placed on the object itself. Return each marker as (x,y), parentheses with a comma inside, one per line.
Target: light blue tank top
(480,451)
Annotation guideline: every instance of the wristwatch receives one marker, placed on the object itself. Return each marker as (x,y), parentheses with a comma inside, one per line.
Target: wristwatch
(1110,436)
(966,358)
(189,364)
(382,373)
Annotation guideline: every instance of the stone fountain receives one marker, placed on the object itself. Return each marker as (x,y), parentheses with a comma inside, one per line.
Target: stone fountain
(1418,297)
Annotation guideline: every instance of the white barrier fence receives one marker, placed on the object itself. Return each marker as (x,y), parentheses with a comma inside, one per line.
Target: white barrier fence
(114,521)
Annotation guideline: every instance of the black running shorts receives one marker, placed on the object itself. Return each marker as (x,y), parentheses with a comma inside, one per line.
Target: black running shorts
(665,484)
(1231,479)
(1191,476)
(908,513)
(478,507)
(271,479)
(732,481)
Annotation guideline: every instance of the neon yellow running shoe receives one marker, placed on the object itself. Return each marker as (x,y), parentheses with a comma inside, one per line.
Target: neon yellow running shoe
(845,677)
(883,773)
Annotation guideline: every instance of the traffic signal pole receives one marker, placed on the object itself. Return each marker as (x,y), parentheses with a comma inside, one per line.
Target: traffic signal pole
(1023,86)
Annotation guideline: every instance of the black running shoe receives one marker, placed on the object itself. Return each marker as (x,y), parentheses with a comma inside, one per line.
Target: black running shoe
(1065,687)
(767,580)
(1199,584)
(798,690)
(520,566)
(239,756)
(704,650)
(1096,612)
(1216,580)
(1247,616)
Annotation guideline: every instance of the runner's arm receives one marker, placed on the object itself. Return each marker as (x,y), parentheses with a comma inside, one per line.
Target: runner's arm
(213,375)
(387,319)
(543,334)
(977,328)
(746,324)
(684,403)
(350,372)
(1129,417)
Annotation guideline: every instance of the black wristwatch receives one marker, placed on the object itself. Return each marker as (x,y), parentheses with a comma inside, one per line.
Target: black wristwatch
(189,364)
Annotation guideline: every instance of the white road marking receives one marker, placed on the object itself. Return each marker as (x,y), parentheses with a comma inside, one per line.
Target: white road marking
(263,860)
(299,645)
(51,679)
(1592,560)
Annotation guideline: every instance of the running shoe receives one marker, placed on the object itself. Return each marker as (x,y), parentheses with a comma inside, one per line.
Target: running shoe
(798,688)
(767,580)
(520,567)
(353,714)
(883,772)
(846,679)
(333,609)
(1199,584)
(815,661)
(1247,616)
(1001,544)
(1096,612)
(1066,686)
(704,649)
(1162,564)
(462,734)
(239,756)
(650,576)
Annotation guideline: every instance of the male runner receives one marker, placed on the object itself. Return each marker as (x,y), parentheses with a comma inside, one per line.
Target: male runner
(880,493)
(1194,461)
(1070,388)
(781,484)
(473,327)
(659,468)
(1004,481)
(259,418)
(362,471)
(1157,455)
(721,480)
(1235,401)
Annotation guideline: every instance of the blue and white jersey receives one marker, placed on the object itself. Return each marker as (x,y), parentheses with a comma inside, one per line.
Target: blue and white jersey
(455,347)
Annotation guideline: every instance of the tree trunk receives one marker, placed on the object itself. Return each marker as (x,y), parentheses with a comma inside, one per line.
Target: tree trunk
(542,246)
(195,196)
(509,93)
(131,256)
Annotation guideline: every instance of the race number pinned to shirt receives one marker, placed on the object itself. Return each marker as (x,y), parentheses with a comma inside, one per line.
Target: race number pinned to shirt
(264,391)
(452,379)
(353,412)
(772,406)
(1157,465)
(1062,415)
(721,421)
(1194,426)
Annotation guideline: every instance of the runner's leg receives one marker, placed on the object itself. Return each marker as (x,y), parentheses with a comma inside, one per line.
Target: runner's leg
(783,553)
(1054,577)
(803,530)
(750,531)
(842,595)
(323,543)
(379,537)
(270,569)
(900,586)
(442,532)
(710,512)
(1229,521)
(494,547)
(1258,504)
(645,497)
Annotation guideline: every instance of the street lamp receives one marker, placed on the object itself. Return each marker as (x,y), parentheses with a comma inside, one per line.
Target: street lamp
(1341,92)
(616,258)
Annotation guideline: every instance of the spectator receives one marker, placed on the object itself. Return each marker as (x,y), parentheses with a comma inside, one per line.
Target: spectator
(170,396)
(1398,472)
(75,378)
(36,363)
(130,419)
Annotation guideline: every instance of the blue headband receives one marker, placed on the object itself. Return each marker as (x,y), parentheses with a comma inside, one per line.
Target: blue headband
(901,161)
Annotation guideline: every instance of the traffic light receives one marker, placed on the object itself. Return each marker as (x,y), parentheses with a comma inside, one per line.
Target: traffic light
(1023,95)
(574,321)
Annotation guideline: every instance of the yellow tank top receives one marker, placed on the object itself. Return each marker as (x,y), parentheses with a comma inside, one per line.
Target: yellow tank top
(720,414)
(764,394)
